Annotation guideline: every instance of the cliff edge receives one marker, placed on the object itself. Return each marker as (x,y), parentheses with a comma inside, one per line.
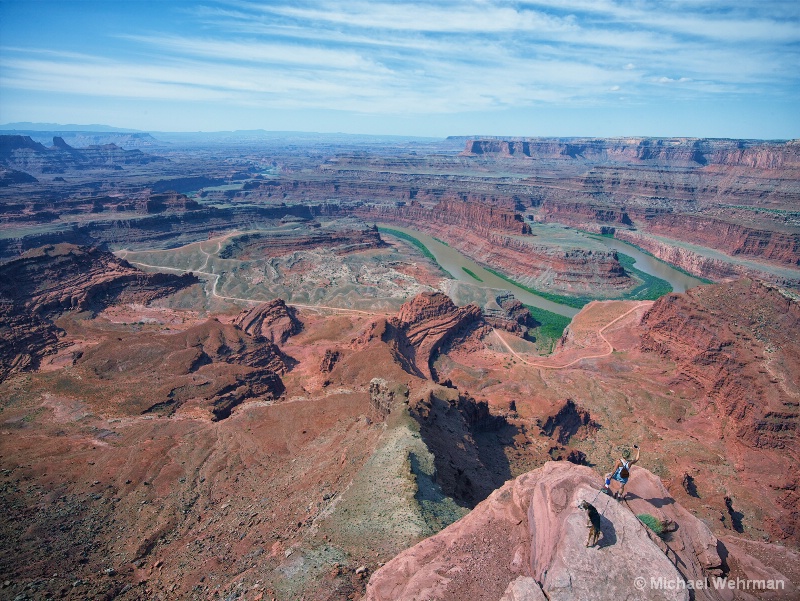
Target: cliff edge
(528,541)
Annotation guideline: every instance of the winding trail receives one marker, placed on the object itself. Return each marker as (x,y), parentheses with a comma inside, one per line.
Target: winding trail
(571,363)
(124,254)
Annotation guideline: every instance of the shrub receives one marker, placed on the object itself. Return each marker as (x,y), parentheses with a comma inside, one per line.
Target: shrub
(653,523)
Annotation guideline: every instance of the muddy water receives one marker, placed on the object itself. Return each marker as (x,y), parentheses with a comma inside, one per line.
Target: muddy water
(680,282)
(453,261)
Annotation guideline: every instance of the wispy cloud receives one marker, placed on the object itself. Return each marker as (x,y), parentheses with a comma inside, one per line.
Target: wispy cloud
(459,17)
(711,19)
(289,54)
(432,57)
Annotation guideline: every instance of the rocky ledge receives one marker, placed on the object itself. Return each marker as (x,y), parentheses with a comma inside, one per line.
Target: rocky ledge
(527,540)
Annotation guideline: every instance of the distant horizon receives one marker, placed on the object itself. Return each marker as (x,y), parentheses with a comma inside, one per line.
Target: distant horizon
(528,68)
(110,129)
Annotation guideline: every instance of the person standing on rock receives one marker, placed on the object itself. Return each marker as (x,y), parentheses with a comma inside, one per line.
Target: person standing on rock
(621,473)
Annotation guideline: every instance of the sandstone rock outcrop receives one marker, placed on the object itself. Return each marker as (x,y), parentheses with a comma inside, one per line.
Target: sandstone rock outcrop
(66,277)
(273,321)
(429,321)
(512,316)
(466,440)
(530,534)
(383,395)
(570,420)
(329,360)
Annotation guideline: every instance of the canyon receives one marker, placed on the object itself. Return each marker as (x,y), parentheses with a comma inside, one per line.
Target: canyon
(233,369)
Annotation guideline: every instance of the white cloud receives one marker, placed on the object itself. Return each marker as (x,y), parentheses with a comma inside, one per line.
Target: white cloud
(423,16)
(413,58)
(670,80)
(292,54)
(729,22)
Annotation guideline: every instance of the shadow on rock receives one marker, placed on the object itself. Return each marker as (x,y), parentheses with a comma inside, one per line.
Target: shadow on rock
(609,537)
(467,441)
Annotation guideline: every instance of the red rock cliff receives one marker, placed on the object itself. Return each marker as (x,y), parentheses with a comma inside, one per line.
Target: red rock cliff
(672,151)
(737,343)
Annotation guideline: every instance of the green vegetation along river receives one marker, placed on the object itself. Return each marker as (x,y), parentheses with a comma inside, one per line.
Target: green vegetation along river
(459,267)
(679,281)
(452,261)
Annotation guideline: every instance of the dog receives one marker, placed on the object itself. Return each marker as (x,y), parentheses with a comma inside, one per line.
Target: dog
(593,523)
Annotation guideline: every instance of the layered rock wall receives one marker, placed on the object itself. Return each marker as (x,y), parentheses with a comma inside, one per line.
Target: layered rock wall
(672,151)
(151,230)
(700,265)
(275,244)
(479,218)
(718,336)
(779,247)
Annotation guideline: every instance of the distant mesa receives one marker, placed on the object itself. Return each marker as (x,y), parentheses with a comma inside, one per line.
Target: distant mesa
(185,184)
(667,151)
(59,142)
(10,143)
(168,201)
(23,153)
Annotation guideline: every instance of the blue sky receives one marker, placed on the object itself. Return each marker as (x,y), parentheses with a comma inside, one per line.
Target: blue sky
(719,68)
